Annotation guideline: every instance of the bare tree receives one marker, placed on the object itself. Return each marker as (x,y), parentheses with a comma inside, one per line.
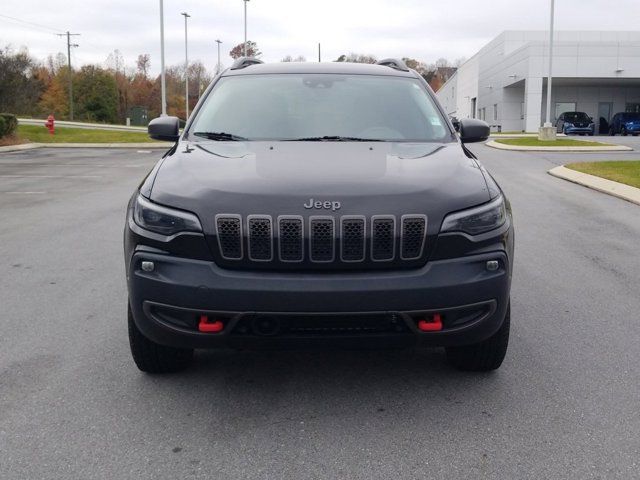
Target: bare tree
(144,63)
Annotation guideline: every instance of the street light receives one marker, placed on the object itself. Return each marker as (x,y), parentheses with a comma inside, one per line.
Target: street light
(245,27)
(186,66)
(163,87)
(218,67)
(549,79)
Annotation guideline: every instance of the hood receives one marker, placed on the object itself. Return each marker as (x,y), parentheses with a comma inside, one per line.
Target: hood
(278,178)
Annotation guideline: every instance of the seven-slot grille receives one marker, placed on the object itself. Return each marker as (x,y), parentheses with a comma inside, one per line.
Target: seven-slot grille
(321,239)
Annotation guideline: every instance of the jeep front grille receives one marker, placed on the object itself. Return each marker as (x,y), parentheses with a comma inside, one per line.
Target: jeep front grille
(321,239)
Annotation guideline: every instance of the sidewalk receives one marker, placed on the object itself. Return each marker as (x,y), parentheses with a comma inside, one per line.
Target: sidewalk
(518,148)
(31,146)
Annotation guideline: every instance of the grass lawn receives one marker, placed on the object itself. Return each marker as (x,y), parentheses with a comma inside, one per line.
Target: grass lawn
(561,142)
(623,172)
(39,134)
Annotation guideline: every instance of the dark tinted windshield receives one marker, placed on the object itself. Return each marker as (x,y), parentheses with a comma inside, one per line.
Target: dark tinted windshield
(628,117)
(299,106)
(576,117)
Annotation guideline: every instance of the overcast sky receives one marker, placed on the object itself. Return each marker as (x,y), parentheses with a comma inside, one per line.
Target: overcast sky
(422,29)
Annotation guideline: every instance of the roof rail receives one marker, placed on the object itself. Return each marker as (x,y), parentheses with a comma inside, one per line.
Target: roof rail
(394,63)
(244,62)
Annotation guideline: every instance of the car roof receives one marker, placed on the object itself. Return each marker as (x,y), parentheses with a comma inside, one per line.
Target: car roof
(343,68)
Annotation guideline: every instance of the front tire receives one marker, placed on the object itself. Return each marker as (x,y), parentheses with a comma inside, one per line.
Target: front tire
(151,357)
(486,355)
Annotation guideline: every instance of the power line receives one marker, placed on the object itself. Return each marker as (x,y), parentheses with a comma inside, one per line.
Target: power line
(33,24)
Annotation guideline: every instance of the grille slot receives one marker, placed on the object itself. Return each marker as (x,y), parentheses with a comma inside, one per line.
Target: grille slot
(260,238)
(229,233)
(290,239)
(352,239)
(414,229)
(322,238)
(383,238)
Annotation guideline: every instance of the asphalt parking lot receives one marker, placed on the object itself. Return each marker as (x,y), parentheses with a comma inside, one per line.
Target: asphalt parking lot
(565,404)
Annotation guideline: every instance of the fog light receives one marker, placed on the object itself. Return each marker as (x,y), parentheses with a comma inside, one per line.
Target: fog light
(492,265)
(148,266)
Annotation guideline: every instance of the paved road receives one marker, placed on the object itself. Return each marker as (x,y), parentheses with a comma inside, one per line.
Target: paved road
(566,403)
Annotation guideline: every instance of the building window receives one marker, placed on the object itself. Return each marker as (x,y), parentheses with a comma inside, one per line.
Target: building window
(632,108)
(495,112)
(562,107)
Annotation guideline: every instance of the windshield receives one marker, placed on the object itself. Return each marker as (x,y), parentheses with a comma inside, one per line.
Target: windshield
(628,117)
(576,117)
(320,107)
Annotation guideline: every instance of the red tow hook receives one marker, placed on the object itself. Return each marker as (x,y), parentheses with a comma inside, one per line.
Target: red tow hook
(433,324)
(208,326)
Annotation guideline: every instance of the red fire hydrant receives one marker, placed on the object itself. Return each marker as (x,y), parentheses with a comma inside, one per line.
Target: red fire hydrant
(50,124)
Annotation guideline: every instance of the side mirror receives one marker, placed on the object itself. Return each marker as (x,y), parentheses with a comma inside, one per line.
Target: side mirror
(473,130)
(164,128)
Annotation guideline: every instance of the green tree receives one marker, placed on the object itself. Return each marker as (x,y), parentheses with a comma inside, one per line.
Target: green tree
(20,88)
(96,94)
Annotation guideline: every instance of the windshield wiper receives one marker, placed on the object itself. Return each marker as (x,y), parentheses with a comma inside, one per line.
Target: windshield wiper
(220,136)
(335,138)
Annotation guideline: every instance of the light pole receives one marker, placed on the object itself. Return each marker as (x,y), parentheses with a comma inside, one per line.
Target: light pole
(186,66)
(547,132)
(218,66)
(549,79)
(163,87)
(245,27)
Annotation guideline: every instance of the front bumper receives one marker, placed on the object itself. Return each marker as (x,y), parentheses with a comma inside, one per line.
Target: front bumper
(167,302)
(570,130)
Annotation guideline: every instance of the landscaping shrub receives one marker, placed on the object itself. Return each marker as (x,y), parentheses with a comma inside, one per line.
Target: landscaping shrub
(8,124)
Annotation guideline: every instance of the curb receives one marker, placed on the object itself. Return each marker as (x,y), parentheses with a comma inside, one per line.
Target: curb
(31,146)
(515,148)
(616,189)
(90,126)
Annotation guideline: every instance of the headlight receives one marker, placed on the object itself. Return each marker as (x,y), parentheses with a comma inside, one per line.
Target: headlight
(567,124)
(478,219)
(163,220)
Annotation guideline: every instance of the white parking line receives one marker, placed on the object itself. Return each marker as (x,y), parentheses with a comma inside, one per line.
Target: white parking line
(25,193)
(50,176)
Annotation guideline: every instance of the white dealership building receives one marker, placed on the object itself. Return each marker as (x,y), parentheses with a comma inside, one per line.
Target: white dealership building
(505,82)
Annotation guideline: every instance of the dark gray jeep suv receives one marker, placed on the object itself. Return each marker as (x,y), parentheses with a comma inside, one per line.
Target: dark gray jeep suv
(313,203)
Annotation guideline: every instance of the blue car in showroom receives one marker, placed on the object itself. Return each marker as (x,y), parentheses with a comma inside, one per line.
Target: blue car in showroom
(575,123)
(625,123)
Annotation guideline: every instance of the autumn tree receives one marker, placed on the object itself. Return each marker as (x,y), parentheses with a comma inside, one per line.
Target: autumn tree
(55,99)
(357,58)
(289,58)
(252,50)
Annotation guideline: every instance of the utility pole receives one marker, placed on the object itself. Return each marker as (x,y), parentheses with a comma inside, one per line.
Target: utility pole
(319,57)
(245,27)
(186,65)
(218,67)
(69,45)
(163,85)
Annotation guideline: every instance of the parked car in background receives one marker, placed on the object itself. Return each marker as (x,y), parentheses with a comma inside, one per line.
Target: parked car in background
(575,122)
(625,123)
